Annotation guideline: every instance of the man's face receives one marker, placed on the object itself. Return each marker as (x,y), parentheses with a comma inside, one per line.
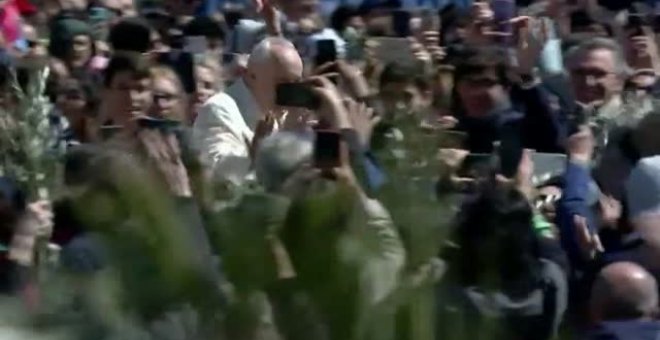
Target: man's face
(128,97)
(298,9)
(481,93)
(81,50)
(404,97)
(594,78)
(286,69)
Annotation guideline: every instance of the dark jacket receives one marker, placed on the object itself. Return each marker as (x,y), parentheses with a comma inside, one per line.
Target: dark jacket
(626,330)
(469,312)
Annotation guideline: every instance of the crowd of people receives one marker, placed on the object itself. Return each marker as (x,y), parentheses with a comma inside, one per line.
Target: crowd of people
(263,171)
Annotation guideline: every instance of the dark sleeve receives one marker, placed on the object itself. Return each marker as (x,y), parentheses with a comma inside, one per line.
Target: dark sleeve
(364,163)
(544,128)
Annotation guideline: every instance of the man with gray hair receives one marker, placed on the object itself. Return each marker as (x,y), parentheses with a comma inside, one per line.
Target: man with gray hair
(224,128)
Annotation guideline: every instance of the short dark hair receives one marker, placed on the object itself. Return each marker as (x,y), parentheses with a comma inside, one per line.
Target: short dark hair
(402,73)
(126,62)
(476,60)
(205,27)
(131,34)
(341,16)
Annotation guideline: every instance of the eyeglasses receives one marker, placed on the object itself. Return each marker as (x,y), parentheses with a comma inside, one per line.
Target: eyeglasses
(596,74)
(164,97)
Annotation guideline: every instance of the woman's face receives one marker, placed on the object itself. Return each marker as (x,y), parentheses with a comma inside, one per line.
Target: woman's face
(71,101)
(167,99)
(207,86)
(81,50)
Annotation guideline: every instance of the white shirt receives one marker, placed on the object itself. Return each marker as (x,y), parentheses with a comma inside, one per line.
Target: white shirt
(223,139)
(247,104)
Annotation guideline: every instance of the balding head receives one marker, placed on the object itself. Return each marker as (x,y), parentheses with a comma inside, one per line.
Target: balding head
(624,291)
(273,61)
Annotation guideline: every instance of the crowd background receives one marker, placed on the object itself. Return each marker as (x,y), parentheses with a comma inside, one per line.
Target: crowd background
(296,169)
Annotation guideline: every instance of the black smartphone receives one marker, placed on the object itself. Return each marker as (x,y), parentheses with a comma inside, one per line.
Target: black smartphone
(401,23)
(326,52)
(580,20)
(183,64)
(167,125)
(296,95)
(327,154)
(510,153)
(635,24)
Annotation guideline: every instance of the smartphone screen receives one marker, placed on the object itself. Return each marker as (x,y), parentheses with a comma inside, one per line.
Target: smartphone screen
(326,52)
(327,149)
(401,23)
(296,95)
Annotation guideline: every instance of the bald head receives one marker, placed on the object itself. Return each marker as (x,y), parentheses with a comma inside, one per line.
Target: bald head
(623,291)
(274,51)
(273,61)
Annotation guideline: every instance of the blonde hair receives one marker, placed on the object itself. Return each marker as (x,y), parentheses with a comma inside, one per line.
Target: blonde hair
(166,72)
(212,63)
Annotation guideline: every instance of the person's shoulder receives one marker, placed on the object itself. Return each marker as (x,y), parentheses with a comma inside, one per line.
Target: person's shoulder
(219,101)
(630,329)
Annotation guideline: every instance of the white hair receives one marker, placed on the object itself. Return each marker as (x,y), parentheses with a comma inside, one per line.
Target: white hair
(263,51)
(280,155)
(576,52)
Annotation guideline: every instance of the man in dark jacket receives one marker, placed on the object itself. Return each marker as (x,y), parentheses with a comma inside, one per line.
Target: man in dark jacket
(489,110)
(624,302)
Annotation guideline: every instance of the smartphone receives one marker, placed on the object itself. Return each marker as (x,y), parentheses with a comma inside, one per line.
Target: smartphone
(157,124)
(401,23)
(635,24)
(476,165)
(509,152)
(296,95)
(327,149)
(503,12)
(326,52)
(228,58)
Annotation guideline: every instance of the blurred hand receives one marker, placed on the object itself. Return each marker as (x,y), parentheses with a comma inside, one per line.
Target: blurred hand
(447,122)
(530,47)
(265,127)
(580,146)
(362,119)
(481,12)
(352,78)
(452,159)
(270,14)
(42,213)
(611,211)
(588,242)
(523,179)
(332,109)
